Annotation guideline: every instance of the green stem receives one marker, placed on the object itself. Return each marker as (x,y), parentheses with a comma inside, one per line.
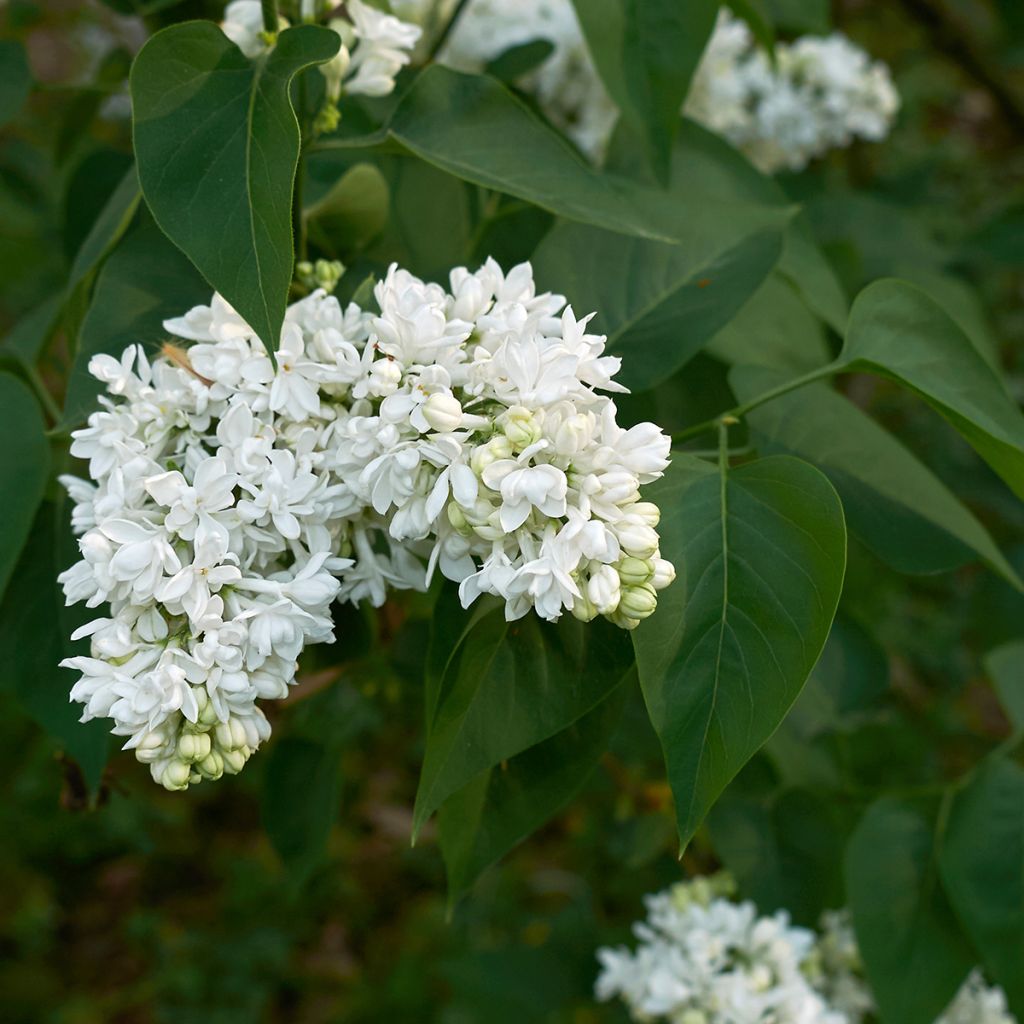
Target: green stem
(442,36)
(269,16)
(46,400)
(741,410)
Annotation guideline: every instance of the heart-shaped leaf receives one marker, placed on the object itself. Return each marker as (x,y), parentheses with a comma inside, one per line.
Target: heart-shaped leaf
(761,555)
(217,145)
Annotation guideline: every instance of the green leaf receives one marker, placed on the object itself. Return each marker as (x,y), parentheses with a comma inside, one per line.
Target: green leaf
(24,470)
(503,805)
(982,862)
(517,61)
(646,52)
(774,328)
(659,304)
(915,954)
(800,16)
(508,687)
(15,79)
(893,502)
(28,337)
(761,554)
(1005,667)
(785,852)
(352,212)
(35,628)
(217,145)
(474,128)
(898,332)
(145,281)
(707,165)
(108,228)
(300,799)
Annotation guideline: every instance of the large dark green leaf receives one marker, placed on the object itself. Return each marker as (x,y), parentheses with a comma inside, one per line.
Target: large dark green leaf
(474,128)
(659,304)
(1005,666)
(15,79)
(35,628)
(915,954)
(893,502)
(646,52)
(761,554)
(982,862)
(145,281)
(898,332)
(501,806)
(24,470)
(508,687)
(217,145)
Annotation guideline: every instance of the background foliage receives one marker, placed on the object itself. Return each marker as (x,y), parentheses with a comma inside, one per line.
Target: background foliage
(241,903)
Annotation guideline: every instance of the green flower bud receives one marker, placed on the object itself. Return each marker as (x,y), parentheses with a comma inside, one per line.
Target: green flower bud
(638,602)
(520,427)
(635,571)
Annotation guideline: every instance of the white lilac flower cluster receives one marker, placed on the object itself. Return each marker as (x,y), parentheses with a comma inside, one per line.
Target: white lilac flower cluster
(232,500)
(818,94)
(821,93)
(703,959)
(375,45)
(840,977)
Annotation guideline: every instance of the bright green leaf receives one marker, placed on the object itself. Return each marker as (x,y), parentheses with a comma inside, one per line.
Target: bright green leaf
(24,470)
(761,554)
(893,502)
(646,52)
(217,145)
(898,332)
(509,686)
(982,862)
(914,951)
(504,804)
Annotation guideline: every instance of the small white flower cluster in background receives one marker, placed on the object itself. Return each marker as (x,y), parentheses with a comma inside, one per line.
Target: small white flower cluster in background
(821,92)
(840,977)
(703,959)
(232,500)
(375,45)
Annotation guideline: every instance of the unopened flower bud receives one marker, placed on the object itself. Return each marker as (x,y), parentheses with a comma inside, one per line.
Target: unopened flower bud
(520,427)
(603,589)
(175,775)
(638,602)
(385,376)
(211,766)
(637,538)
(583,609)
(334,71)
(621,620)
(647,511)
(499,447)
(618,487)
(457,518)
(634,571)
(664,573)
(694,1017)
(443,412)
(234,760)
(574,433)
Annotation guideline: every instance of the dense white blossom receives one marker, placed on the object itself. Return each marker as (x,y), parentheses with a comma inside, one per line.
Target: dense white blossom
(375,45)
(703,959)
(232,500)
(820,93)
